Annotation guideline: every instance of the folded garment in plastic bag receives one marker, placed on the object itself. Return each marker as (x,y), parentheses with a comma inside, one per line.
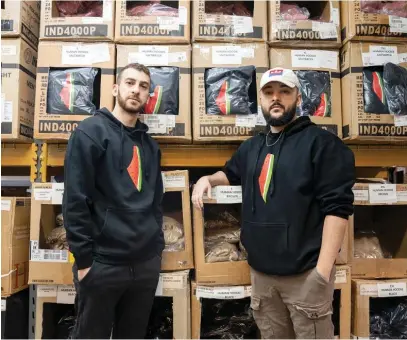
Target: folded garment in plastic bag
(66,325)
(70,91)
(164,91)
(395,88)
(315,93)
(161,321)
(227,90)
(80,8)
(227,8)
(173,234)
(57,239)
(367,246)
(150,8)
(373,90)
(397,8)
(59,220)
(231,235)
(291,11)
(221,252)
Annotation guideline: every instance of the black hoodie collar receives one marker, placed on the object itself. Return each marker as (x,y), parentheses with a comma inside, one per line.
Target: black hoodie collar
(139,127)
(295,126)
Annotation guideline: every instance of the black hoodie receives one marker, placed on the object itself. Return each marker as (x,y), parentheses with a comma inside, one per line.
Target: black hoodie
(312,177)
(113,192)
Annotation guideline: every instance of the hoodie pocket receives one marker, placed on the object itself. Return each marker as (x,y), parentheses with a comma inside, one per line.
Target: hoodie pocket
(128,233)
(264,241)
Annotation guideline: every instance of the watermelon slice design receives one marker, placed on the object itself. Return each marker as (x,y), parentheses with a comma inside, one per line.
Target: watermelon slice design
(223,99)
(378,87)
(135,169)
(154,102)
(323,108)
(266,175)
(67,93)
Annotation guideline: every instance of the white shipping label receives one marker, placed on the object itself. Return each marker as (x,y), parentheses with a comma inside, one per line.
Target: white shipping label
(380,54)
(226,55)
(5,205)
(222,293)
(8,50)
(340,276)
(334,15)
(246,121)
(42,194)
(159,290)
(3,305)
(66,294)
(242,24)
(402,58)
(228,194)
(57,193)
(47,291)
(80,54)
(329,59)
(400,120)
(368,290)
(305,58)
(175,181)
(260,118)
(361,195)
(100,53)
(49,255)
(168,23)
(153,55)
(392,289)
(174,281)
(3,100)
(248,291)
(366,59)
(397,24)
(402,196)
(156,123)
(183,15)
(177,57)
(7,113)
(327,30)
(382,193)
(170,121)
(247,52)
(107,10)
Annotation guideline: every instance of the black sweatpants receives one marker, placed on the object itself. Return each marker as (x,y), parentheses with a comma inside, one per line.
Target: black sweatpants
(118,299)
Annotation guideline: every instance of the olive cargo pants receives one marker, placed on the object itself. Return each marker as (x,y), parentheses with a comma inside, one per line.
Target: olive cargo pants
(297,306)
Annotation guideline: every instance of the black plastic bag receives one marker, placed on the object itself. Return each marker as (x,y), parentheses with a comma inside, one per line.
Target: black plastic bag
(395,88)
(315,93)
(164,91)
(160,325)
(227,91)
(373,91)
(71,91)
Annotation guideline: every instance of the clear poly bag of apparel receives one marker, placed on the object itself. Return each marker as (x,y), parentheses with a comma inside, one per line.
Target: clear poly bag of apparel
(173,234)
(315,93)
(292,11)
(164,91)
(79,8)
(239,8)
(227,91)
(150,8)
(71,91)
(395,88)
(373,90)
(397,8)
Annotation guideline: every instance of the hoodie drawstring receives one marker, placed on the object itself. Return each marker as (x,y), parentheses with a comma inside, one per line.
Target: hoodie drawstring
(121,148)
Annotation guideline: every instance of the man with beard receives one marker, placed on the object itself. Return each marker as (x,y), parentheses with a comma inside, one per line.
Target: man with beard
(112,214)
(297,184)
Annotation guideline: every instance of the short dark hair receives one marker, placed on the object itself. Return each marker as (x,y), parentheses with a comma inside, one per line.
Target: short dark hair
(134,66)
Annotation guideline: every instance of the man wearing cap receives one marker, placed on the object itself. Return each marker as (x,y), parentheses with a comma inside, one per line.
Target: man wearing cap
(297,184)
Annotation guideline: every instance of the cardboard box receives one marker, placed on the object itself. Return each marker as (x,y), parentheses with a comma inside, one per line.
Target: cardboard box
(208,24)
(343,287)
(217,273)
(322,61)
(18,74)
(165,128)
(47,266)
(378,218)
(152,28)
(176,185)
(358,25)
(21,19)
(173,285)
(358,124)
(367,292)
(56,55)
(15,230)
(224,128)
(54,26)
(306,33)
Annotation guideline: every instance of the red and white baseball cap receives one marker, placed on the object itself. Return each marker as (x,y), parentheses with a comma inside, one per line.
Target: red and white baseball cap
(282,75)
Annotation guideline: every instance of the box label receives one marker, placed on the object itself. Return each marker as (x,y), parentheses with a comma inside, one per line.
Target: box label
(334,14)
(3,305)
(177,181)
(242,24)
(340,276)
(368,290)
(402,196)
(57,193)
(168,23)
(261,121)
(380,54)
(228,194)
(173,281)
(7,50)
(150,55)
(66,294)
(402,58)
(377,30)
(246,121)
(226,55)
(361,195)
(222,293)
(80,54)
(210,29)
(127,30)
(47,291)
(381,130)
(397,24)
(303,34)
(177,57)
(314,59)
(47,255)
(327,30)
(42,194)
(156,123)
(7,110)
(224,130)
(400,120)
(382,193)
(392,289)
(89,30)
(159,290)
(107,10)
(183,15)
(5,205)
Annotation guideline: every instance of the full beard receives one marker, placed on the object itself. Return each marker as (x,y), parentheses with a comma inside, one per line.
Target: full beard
(283,120)
(128,108)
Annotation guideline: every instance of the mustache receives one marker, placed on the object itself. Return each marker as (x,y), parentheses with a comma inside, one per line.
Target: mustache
(276,105)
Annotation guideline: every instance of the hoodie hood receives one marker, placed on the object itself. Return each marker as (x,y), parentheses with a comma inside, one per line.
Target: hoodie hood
(139,128)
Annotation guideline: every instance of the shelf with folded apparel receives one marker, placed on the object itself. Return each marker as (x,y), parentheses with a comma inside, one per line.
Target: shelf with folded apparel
(16,155)
(215,155)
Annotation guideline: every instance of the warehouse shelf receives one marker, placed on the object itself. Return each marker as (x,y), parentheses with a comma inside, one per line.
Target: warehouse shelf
(19,155)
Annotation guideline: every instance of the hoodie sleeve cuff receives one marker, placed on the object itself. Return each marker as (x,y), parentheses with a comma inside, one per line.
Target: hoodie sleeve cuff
(84,262)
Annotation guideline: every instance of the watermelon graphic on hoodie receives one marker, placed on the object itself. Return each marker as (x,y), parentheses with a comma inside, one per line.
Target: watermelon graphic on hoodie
(373,91)
(266,175)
